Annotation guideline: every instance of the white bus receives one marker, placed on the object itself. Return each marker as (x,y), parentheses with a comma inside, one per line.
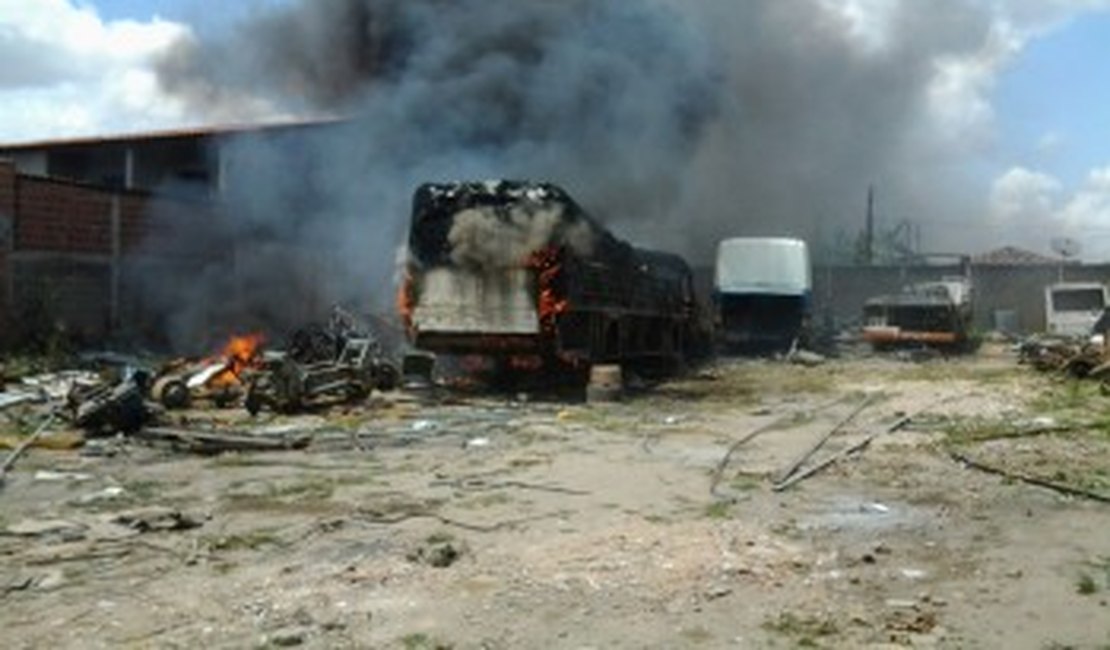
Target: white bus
(762,292)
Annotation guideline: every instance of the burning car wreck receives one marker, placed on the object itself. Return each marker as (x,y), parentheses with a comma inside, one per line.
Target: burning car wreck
(519,273)
(287,385)
(217,379)
(341,361)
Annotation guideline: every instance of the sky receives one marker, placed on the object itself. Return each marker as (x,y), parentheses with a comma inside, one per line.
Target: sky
(1052,102)
(142,9)
(1023,119)
(1053,130)
(191,11)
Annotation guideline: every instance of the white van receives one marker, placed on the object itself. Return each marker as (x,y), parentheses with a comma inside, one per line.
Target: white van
(1073,308)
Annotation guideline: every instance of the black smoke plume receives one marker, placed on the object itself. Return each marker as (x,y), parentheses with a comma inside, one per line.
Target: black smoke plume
(675,123)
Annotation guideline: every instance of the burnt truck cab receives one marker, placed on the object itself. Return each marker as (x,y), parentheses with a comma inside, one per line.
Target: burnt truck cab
(762,293)
(518,272)
(935,314)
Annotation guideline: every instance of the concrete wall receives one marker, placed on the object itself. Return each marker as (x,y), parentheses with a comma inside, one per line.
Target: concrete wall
(158,165)
(135,165)
(62,295)
(7,216)
(840,291)
(30,162)
(103,165)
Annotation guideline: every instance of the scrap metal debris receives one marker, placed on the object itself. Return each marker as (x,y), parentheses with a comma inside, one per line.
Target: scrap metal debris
(286,385)
(343,361)
(214,442)
(10,461)
(793,468)
(318,342)
(722,465)
(898,424)
(1069,355)
(110,408)
(157,518)
(126,399)
(1062,488)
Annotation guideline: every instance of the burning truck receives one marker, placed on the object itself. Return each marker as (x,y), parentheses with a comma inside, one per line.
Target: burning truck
(518,273)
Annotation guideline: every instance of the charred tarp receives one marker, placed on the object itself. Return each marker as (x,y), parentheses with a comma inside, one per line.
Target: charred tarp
(523,216)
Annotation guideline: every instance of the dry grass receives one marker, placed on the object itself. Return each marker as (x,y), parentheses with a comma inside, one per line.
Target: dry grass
(746,383)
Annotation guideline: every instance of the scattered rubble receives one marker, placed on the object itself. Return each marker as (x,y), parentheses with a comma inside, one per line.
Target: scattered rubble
(156,518)
(1072,356)
(438,551)
(341,362)
(10,461)
(213,442)
(106,409)
(168,549)
(1011,475)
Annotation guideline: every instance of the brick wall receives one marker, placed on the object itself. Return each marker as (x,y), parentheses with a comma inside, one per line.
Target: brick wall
(134,224)
(7,187)
(62,264)
(62,217)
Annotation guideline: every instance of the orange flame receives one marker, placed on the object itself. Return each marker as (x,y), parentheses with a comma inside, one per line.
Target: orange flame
(406,301)
(548,265)
(240,353)
(526,362)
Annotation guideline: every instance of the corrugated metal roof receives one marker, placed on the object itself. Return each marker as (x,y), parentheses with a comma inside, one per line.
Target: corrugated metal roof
(169,134)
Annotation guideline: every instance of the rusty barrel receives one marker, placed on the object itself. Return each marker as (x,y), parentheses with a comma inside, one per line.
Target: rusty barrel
(606,383)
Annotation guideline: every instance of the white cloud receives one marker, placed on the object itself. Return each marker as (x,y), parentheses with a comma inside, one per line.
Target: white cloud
(99,78)
(1088,210)
(867,22)
(959,97)
(1030,208)
(1023,195)
(1034,17)
(959,93)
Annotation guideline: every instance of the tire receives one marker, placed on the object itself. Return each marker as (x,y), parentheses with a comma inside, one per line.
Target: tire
(387,377)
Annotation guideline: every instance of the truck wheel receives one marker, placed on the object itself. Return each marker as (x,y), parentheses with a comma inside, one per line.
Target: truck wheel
(171,393)
(254,400)
(387,376)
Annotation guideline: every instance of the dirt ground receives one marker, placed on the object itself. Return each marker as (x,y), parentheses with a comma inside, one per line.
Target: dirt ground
(441,521)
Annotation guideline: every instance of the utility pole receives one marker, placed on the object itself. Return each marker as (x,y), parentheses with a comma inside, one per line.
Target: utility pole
(869,230)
